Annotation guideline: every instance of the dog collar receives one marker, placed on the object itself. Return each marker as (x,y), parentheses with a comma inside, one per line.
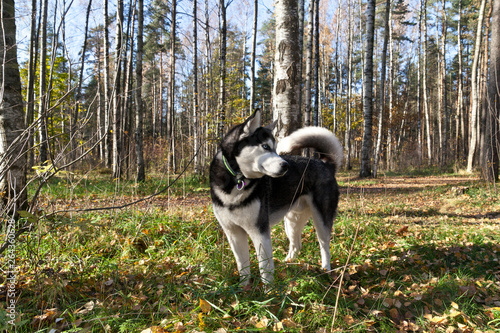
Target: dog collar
(240,183)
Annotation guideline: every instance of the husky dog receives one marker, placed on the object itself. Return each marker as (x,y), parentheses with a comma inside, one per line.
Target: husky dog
(254,188)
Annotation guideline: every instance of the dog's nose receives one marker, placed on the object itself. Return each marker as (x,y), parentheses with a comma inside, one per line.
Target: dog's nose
(284,166)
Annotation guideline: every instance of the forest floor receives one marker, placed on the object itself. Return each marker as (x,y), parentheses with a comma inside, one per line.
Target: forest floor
(409,253)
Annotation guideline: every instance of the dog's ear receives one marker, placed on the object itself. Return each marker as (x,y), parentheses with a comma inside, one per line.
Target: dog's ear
(251,124)
(272,125)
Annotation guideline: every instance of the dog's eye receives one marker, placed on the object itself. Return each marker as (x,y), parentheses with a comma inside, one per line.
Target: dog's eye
(266,147)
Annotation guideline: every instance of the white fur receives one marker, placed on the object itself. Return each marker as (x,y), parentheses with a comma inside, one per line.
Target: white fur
(241,226)
(256,162)
(303,137)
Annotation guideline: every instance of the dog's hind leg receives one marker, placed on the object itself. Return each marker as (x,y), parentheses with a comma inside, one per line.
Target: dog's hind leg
(238,240)
(323,226)
(295,221)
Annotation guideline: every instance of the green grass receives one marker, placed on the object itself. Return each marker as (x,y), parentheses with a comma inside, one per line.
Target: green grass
(423,258)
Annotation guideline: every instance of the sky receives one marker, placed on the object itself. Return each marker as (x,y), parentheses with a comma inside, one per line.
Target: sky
(239,12)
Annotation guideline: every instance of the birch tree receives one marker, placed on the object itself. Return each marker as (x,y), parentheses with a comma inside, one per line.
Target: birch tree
(382,87)
(474,89)
(107,104)
(140,172)
(195,87)
(222,64)
(252,55)
(365,170)
(42,101)
(32,57)
(117,91)
(286,60)
(12,141)
(309,59)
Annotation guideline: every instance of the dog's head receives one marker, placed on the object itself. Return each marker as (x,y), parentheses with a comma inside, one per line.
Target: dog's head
(253,147)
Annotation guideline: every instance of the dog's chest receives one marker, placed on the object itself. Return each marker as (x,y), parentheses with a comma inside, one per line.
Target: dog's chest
(242,216)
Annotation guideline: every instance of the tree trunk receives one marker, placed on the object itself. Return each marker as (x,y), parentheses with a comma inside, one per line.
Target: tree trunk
(195,87)
(252,56)
(42,104)
(309,57)
(317,95)
(491,172)
(444,120)
(460,94)
(117,92)
(382,88)
(474,89)
(286,60)
(392,65)
(424,85)
(107,100)
(348,119)
(74,123)
(300,67)
(139,144)
(483,91)
(368,91)
(222,64)
(29,118)
(12,135)
(337,72)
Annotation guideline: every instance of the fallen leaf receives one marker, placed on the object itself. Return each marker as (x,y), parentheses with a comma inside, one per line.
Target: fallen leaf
(402,230)
(262,323)
(394,313)
(205,306)
(349,320)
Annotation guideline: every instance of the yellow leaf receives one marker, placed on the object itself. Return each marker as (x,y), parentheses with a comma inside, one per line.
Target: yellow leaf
(349,320)
(202,323)
(454,305)
(205,306)
(262,323)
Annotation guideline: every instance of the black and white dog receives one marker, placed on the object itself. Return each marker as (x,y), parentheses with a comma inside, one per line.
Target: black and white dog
(254,188)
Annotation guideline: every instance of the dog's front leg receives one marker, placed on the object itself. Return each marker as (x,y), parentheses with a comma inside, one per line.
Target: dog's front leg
(238,240)
(264,249)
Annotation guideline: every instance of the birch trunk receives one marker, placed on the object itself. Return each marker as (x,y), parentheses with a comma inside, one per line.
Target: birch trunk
(117,92)
(424,86)
(195,84)
(368,91)
(459,123)
(317,95)
(474,89)
(443,96)
(286,80)
(29,118)
(222,64)
(42,105)
(13,138)
(309,57)
(139,144)
(252,56)
(348,120)
(107,103)
(382,89)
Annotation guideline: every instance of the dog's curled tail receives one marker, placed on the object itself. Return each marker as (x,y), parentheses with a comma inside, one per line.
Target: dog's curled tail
(321,139)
